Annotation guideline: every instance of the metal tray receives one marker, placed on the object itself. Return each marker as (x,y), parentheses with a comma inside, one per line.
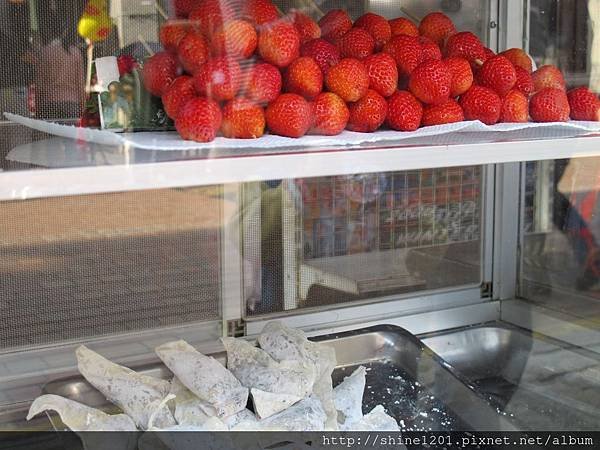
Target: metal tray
(541,383)
(403,375)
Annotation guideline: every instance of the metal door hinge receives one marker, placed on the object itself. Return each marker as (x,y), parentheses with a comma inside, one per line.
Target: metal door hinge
(236,328)
(487,289)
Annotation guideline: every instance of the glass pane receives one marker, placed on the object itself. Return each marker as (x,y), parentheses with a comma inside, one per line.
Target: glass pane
(360,237)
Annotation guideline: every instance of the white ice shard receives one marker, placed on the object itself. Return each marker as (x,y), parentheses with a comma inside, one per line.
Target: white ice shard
(79,417)
(189,409)
(348,397)
(306,415)
(376,420)
(243,416)
(207,378)
(284,343)
(138,396)
(274,385)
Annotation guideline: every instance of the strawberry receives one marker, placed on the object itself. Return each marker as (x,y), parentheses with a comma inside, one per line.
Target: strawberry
(519,58)
(548,77)
(335,24)
(489,53)
(260,12)
(263,83)
(377,26)
(349,79)
(178,93)
(199,120)
(210,15)
(193,52)
(126,64)
(462,75)
(550,105)
(236,38)
(584,104)
(431,51)
(183,8)
(331,114)
(289,115)
(307,28)
(404,111)
(219,79)
(466,45)
(324,53)
(356,43)
(159,72)
(481,103)
(383,73)
(171,33)
(498,74)
(430,82)
(401,25)
(515,107)
(437,27)
(407,51)
(524,81)
(242,119)
(279,43)
(304,77)
(367,114)
(447,112)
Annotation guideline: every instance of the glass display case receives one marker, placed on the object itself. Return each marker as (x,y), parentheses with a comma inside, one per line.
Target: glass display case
(479,245)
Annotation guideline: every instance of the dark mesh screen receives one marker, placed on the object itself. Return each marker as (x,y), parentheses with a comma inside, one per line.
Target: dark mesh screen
(93,265)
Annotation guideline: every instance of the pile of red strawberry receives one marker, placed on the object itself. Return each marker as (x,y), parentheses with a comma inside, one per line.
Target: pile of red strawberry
(245,69)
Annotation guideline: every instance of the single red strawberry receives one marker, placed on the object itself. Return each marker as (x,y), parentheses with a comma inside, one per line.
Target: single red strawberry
(199,120)
(159,72)
(210,15)
(236,38)
(548,77)
(447,112)
(367,114)
(126,64)
(324,53)
(437,27)
(183,8)
(524,81)
(383,73)
(331,114)
(404,111)
(242,119)
(466,45)
(260,12)
(550,105)
(402,25)
(193,52)
(519,58)
(489,53)
(431,51)
(279,43)
(498,74)
(171,33)
(462,75)
(307,28)
(219,79)
(430,82)
(481,103)
(356,43)
(263,83)
(407,51)
(289,115)
(335,24)
(377,26)
(584,104)
(349,79)
(304,77)
(178,93)
(515,107)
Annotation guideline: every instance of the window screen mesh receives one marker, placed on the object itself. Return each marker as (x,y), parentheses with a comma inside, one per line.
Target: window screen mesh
(86,266)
